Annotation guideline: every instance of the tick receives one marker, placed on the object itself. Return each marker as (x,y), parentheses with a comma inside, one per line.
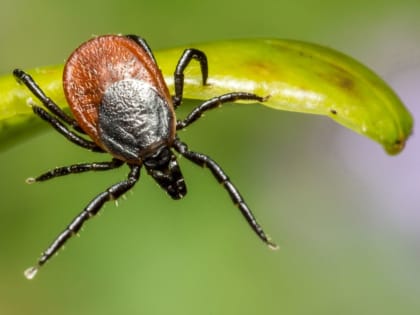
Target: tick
(121,105)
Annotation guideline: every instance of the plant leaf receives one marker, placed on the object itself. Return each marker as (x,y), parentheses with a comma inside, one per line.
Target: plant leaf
(297,76)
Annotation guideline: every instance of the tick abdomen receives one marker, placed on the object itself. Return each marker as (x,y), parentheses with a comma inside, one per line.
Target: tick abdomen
(134,120)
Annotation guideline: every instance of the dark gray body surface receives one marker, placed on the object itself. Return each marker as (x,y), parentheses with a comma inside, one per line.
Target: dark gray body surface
(134,120)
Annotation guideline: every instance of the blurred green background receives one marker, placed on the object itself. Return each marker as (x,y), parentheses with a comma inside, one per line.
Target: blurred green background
(346,215)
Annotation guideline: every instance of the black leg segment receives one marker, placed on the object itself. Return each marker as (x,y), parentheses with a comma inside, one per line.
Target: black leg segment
(62,128)
(75,169)
(112,193)
(216,102)
(205,161)
(26,79)
(143,44)
(183,62)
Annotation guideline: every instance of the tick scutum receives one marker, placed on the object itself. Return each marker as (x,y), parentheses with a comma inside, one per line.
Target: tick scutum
(134,120)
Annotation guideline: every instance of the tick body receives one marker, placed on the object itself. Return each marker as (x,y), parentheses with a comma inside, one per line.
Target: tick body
(121,105)
(119,98)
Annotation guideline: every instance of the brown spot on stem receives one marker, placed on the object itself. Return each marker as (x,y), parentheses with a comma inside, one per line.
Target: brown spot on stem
(263,69)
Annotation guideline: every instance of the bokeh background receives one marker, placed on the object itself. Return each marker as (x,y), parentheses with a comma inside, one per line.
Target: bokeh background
(346,215)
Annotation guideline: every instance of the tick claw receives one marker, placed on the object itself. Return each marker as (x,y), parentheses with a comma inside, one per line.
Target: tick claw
(30,180)
(30,273)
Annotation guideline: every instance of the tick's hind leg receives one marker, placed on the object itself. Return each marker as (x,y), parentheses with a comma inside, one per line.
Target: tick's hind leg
(74,169)
(60,127)
(30,83)
(205,161)
(112,193)
(55,116)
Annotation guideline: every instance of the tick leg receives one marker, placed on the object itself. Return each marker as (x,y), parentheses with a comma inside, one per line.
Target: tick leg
(216,102)
(112,193)
(205,161)
(183,62)
(61,128)
(76,168)
(26,79)
(143,44)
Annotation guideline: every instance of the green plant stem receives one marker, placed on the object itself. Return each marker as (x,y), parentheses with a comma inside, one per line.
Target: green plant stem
(297,76)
